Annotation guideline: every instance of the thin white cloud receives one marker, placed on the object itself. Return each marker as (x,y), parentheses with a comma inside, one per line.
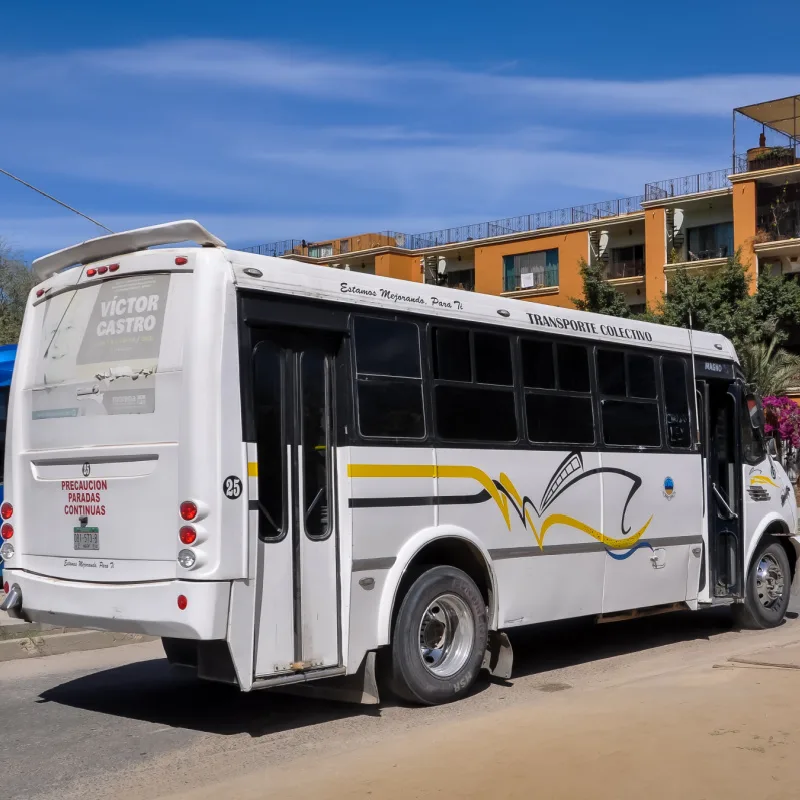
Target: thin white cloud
(278,69)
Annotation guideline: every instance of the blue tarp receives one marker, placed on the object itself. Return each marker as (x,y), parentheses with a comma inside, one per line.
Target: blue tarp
(8,353)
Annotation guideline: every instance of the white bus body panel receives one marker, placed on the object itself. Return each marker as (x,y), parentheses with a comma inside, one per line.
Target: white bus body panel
(550,555)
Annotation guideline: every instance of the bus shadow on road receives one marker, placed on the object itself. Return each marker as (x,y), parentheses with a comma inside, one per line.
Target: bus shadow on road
(558,645)
(153,691)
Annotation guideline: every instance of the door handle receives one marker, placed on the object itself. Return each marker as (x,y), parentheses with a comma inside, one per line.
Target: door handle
(721,500)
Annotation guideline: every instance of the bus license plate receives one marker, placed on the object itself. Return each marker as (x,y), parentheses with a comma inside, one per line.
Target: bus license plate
(87,538)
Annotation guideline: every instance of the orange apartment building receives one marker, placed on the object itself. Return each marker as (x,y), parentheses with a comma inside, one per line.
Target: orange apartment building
(693,223)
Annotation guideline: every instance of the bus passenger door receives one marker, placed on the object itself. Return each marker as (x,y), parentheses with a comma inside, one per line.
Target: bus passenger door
(720,400)
(297,605)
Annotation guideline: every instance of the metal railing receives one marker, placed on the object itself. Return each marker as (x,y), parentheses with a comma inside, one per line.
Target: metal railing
(633,268)
(275,248)
(759,158)
(480,230)
(524,223)
(689,184)
(521,280)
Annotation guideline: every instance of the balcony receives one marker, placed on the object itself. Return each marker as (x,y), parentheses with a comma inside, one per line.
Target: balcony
(689,184)
(778,222)
(633,268)
(522,280)
(761,158)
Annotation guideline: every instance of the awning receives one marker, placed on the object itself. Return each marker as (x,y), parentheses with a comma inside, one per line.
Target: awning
(781,115)
(8,353)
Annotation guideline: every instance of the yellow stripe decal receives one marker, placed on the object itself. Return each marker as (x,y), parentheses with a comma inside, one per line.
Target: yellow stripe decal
(430,471)
(391,471)
(252,469)
(763,479)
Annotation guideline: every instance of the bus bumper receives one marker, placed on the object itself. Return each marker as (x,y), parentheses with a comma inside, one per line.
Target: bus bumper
(147,608)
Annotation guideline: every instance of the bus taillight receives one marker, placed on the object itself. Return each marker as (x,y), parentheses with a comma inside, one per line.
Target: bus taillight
(7,531)
(188,510)
(6,510)
(187,534)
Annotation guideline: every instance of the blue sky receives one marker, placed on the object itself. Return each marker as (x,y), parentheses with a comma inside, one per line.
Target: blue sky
(268,121)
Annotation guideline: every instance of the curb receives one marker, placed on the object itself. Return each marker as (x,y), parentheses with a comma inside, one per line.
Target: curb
(36,646)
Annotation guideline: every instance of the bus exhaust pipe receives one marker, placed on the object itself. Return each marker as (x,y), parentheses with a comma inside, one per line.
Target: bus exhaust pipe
(13,602)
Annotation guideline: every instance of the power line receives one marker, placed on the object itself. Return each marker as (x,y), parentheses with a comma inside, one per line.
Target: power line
(56,200)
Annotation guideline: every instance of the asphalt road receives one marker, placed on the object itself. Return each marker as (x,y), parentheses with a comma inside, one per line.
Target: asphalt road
(121,723)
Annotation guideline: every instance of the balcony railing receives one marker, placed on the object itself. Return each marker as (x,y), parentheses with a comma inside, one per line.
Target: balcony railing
(625,269)
(524,223)
(758,158)
(521,280)
(690,184)
(468,233)
(276,248)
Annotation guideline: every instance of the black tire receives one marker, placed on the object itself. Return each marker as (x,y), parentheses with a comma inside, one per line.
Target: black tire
(755,612)
(420,621)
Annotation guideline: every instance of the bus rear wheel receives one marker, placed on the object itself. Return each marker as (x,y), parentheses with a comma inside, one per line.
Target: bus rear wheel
(766,589)
(439,638)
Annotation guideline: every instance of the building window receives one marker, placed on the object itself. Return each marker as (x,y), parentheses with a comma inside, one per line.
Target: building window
(626,262)
(473,386)
(320,251)
(388,379)
(530,270)
(344,246)
(710,241)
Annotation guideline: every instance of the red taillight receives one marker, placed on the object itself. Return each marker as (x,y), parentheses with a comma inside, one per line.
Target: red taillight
(6,510)
(7,531)
(6,587)
(40,292)
(90,273)
(113,267)
(102,270)
(188,510)
(187,534)
(181,260)
(182,602)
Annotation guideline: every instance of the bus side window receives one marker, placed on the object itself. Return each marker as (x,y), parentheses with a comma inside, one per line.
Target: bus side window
(676,402)
(388,379)
(752,447)
(473,386)
(629,401)
(558,401)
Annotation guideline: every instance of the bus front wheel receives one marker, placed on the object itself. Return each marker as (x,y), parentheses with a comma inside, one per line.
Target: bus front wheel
(767,588)
(439,638)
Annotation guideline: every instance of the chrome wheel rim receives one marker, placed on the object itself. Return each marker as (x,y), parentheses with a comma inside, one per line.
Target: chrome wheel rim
(446,635)
(769,581)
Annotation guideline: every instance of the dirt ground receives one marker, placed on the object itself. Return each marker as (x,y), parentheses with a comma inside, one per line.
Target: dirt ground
(726,730)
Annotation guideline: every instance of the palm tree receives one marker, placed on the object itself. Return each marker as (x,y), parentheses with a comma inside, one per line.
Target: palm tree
(769,369)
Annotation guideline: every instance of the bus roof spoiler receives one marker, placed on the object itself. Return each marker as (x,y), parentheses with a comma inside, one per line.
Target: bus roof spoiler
(116,244)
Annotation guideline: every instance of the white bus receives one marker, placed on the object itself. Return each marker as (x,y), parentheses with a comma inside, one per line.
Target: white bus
(290,472)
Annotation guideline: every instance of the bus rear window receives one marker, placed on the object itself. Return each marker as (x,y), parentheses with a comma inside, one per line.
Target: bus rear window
(101,333)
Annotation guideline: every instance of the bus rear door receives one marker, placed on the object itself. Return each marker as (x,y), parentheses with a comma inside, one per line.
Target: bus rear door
(297,613)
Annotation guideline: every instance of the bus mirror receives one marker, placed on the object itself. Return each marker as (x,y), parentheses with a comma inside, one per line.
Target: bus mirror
(772,447)
(756,412)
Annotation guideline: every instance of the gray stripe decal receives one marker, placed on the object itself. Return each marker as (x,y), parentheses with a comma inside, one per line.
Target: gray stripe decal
(366,564)
(66,462)
(584,547)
